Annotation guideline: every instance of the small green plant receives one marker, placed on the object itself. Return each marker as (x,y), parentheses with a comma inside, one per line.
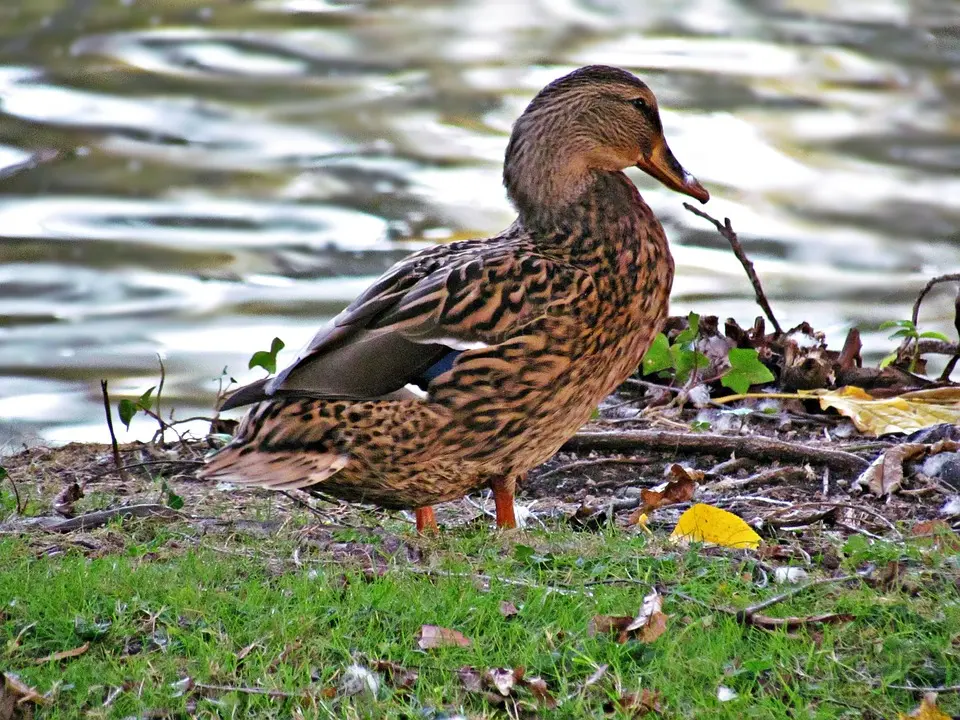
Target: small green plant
(745,370)
(679,358)
(267,359)
(701,426)
(127,409)
(170,498)
(908,331)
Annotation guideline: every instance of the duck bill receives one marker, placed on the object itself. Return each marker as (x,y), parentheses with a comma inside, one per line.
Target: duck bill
(662,165)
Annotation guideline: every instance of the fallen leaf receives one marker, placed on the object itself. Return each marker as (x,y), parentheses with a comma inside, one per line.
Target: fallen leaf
(21,693)
(63,502)
(648,624)
(884,476)
(64,654)
(433,636)
(603,624)
(501,680)
(938,533)
(538,688)
(398,676)
(705,523)
(636,704)
(680,489)
(597,676)
(508,609)
(470,679)
(928,710)
(905,413)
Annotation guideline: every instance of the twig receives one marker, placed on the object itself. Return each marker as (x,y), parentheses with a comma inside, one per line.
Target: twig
(577,464)
(16,491)
(102,517)
(770,602)
(780,474)
(950,277)
(163,378)
(758,447)
(283,694)
(726,230)
(113,436)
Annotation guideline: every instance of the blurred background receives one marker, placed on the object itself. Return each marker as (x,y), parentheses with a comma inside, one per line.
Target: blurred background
(190,179)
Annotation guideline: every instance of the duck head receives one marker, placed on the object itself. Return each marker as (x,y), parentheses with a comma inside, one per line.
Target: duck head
(596,119)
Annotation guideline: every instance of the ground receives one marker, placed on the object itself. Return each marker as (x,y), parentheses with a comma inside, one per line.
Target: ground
(253,604)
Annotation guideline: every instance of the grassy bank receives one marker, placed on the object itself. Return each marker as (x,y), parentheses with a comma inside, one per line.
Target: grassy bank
(263,617)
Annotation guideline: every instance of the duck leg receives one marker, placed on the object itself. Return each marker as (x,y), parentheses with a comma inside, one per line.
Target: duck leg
(426,520)
(503,489)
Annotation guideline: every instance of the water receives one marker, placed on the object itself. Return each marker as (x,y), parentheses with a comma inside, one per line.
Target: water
(188,180)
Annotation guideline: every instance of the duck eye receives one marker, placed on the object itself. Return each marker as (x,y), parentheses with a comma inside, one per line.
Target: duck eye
(640,104)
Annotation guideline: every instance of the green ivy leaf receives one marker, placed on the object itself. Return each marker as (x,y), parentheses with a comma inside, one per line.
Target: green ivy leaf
(904,332)
(934,335)
(174,501)
(745,370)
(146,400)
(907,324)
(690,334)
(686,361)
(127,409)
(888,359)
(700,426)
(267,359)
(657,356)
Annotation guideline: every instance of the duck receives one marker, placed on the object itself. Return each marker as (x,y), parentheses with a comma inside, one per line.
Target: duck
(467,364)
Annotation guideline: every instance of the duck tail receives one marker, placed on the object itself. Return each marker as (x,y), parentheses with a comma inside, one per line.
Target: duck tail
(272,452)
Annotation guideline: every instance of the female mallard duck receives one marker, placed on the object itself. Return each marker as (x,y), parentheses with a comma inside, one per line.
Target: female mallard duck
(470,363)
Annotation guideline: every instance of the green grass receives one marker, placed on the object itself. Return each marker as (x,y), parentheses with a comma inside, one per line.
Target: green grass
(170,603)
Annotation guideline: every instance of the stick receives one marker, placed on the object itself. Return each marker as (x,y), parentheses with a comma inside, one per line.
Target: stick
(102,517)
(951,277)
(758,447)
(726,230)
(577,464)
(113,435)
(16,491)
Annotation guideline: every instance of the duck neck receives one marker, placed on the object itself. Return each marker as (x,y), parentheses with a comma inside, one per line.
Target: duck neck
(597,221)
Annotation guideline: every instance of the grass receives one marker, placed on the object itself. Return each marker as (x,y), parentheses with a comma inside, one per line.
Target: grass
(160,603)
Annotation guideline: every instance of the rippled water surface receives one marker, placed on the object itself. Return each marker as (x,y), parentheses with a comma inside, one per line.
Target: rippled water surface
(190,179)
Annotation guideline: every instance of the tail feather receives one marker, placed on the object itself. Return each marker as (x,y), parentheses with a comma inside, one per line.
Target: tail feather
(269,454)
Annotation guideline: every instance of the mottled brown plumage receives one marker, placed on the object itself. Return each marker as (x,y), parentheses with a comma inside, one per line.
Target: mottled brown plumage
(515,338)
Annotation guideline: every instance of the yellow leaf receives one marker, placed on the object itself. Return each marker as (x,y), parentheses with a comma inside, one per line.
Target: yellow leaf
(928,710)
(902,414)
(705,523)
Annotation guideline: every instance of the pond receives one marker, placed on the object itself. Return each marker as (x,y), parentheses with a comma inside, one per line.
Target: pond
(187,180)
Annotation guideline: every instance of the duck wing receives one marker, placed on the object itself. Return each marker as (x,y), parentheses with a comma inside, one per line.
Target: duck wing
(415,320)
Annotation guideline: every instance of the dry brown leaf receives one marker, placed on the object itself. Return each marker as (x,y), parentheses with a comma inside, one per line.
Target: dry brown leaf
(502,679)
(905,413)
(508,609)
(884,476)
(471,679)
(396,674)
(22,693)
(928,710)
(648,624)
(64,654)
(636,704)
(434,636)
(63,502)
(938,533)
(538,688)
(680,489)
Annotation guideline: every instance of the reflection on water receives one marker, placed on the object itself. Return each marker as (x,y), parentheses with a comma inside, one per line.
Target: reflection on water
(189,179)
